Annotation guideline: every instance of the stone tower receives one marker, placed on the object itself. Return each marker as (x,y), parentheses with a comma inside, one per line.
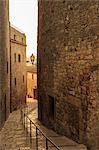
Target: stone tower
(4,62)
(68,68)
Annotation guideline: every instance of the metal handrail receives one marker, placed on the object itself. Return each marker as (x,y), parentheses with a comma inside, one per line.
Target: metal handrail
(37,129)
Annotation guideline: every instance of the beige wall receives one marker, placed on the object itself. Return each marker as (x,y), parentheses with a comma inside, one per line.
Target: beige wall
(18,69)
(31,83)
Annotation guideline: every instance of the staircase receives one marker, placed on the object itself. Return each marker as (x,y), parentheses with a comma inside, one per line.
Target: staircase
(41,138)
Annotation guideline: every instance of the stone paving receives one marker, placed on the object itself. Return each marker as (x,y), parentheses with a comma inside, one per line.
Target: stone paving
(61,141)
(14,137)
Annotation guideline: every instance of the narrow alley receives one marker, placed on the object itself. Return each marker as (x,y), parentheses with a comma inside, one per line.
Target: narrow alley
(49,74)
(14,137)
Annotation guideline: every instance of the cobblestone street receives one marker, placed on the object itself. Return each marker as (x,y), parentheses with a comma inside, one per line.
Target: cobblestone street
(14,137)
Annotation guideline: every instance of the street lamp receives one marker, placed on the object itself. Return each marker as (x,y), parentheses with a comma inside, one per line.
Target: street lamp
(32,58)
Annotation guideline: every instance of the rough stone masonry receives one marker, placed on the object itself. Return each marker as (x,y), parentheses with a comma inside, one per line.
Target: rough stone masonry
(18,67)
(68,68)
(4,62)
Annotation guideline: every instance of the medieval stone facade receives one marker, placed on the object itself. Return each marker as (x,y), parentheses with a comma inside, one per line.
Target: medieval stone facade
(68,68)
(18,67)
(32,81)
(12,65)
(4,62)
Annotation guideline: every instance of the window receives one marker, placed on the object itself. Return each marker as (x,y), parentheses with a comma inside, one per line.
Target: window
(19,58)
(14,37)
(22,40)
(23,79)
(15,81)
(32,77)
(51,106)
(14,57)
(7,66)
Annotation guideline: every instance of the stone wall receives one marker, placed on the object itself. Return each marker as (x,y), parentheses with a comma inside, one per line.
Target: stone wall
(18,69)
(68,68)
(31,80)
(4,62)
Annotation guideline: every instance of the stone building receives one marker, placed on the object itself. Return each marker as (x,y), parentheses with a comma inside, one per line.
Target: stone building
(4,62)
(32,81)
(68,68)
(12,65)
(18,67)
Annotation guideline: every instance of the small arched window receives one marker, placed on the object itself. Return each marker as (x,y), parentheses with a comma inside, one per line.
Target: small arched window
(7,66)
(22,40)
(32,77)
(14,37)
(14,57)
(23,78)
(19,58)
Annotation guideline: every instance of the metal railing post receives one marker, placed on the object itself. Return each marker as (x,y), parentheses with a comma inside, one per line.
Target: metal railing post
(36,139)
(21,116)
(24,121)
(26,125)
(27,121)
(30,133)
(46,144)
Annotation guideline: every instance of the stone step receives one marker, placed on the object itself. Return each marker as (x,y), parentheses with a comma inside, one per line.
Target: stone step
(62,142)
(24,148)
